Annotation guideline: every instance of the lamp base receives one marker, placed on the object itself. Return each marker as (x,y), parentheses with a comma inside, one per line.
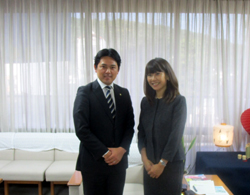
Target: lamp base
(226,146)
(221,149)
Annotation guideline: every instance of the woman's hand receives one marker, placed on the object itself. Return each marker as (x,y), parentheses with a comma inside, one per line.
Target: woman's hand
(156,170)
(147,164)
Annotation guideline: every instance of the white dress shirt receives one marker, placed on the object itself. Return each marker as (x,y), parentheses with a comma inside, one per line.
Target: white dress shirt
(104,92)
(105,89)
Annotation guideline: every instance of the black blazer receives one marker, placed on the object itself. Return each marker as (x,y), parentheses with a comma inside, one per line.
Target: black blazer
(97,130)
(161,128)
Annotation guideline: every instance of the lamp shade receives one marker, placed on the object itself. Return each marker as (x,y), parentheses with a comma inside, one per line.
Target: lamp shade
(223,135)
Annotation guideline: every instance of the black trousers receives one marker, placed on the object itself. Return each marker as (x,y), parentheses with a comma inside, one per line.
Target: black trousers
(169,182)
(103,183)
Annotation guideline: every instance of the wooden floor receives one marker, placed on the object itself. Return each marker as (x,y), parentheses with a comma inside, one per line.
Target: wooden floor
(25,189)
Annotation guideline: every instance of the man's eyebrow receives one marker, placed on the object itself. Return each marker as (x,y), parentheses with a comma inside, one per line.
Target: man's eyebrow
(112,65)
(106,64)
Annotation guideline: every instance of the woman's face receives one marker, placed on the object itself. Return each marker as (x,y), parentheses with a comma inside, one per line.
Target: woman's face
(157,81)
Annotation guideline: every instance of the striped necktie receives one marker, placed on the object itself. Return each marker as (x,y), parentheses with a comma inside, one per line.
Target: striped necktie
(110,101)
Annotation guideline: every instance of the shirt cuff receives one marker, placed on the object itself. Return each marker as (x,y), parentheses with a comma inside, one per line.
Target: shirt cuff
(105,154)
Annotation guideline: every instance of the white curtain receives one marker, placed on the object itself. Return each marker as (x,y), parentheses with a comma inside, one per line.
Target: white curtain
(47,50)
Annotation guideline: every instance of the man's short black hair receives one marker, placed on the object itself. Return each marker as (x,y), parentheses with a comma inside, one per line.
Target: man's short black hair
(108,52)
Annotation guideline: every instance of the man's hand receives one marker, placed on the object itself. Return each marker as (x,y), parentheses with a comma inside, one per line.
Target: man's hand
(156,170)
(115,157)
(107,155)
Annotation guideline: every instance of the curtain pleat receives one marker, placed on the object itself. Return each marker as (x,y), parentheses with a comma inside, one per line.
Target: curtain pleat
(47,51)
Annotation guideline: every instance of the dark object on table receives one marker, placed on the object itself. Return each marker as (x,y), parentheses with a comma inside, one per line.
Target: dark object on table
(184,187)
(189,192)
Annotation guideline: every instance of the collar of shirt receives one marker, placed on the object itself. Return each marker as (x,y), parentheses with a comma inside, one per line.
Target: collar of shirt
(102,85)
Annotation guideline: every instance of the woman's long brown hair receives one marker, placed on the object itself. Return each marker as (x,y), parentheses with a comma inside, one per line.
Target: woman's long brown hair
(161,65)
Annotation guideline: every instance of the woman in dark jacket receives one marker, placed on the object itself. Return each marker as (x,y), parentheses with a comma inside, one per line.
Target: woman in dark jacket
(162,121)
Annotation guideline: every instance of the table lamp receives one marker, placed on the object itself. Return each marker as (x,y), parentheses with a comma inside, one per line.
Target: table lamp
(223,135)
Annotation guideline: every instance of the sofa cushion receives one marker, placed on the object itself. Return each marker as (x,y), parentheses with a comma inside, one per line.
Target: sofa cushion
(25,170)
(134,181)
(7,154)
(60,170)
(134,157)
(134,175)
(133,189)
(3,163)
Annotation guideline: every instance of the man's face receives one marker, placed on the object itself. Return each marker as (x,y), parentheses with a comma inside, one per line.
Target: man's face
(107,70)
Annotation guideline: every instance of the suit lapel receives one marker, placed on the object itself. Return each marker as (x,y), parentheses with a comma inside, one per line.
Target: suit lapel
(118,101)
(101,98)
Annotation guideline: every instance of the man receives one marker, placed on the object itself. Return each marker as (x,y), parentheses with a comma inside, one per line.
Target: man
(104,123)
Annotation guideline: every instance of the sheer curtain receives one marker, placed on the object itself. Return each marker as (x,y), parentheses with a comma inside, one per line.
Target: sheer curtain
(47,50)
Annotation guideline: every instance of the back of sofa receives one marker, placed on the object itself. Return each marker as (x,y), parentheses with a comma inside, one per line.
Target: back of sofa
(28,155)
(66,146)
(63,155)
(7,154)
(34,146)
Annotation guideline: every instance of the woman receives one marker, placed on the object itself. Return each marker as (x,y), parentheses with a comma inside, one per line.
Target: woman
(162,121)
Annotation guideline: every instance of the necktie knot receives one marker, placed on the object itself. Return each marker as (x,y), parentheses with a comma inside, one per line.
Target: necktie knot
(108,87)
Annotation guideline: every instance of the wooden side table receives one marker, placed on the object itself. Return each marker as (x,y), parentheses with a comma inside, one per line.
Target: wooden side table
(232,171)
(215,178)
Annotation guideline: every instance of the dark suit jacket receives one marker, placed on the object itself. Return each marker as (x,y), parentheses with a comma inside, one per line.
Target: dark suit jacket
(97,130)
(161,128)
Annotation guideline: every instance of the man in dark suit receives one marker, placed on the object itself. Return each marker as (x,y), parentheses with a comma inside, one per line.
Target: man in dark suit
(104,123)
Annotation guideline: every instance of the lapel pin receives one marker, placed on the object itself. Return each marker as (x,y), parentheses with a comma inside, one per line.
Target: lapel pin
(120,94)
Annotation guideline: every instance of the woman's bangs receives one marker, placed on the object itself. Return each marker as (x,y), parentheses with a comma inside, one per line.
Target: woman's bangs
(153,68)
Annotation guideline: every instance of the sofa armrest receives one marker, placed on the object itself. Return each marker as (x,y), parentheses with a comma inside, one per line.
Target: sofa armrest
(75,184)
(76,179)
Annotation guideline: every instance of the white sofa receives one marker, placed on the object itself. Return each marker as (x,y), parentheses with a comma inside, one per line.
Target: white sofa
(31,158)
(6,156)
(60,171)
(27,168)
(6,149)
(133,182)
(66,152)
